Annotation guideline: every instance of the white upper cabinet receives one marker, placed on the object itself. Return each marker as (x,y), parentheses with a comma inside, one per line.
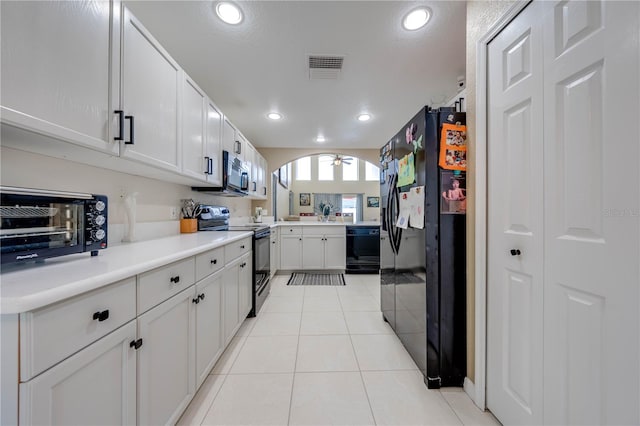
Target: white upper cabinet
(262,178)
(194,103)
(250,163)
(229,141)
(213,146)
(55,69)
(150,84)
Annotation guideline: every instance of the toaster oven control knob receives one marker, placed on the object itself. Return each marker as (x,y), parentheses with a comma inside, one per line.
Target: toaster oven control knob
(100,206)
(99,220)
(99,234)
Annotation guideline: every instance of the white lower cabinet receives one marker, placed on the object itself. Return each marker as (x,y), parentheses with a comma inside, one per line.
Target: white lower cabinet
(335,251)
(313,252)
(118,363)
(95,386)
(209,337)
(166,360)
(290,252)
(324,248)
(245,287)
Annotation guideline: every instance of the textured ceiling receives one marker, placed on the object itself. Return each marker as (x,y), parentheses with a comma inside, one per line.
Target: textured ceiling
(261,65)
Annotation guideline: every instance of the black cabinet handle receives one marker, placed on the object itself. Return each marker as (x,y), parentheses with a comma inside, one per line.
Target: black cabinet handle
(210,166)
(101,316)
(120,136)
(131,130)
(243,264)
(273,242)
(237,147)
(515,252)
(300,239)
(264,190)
(242,246)
(175,279)
(201,297)
(196,300)
(135,344)
(255,186)
(214,261)
(208,160)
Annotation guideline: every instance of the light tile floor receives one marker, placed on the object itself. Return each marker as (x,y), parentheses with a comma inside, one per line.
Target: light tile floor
(323,356)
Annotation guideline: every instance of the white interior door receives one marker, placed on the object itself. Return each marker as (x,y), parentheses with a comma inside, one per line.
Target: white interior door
(592,216)
(515,275)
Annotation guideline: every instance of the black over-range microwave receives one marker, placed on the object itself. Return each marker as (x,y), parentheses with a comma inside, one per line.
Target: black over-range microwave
(39,224)
(235,178)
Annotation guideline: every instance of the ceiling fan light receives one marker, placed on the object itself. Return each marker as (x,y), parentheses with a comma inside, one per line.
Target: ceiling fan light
(364,117)
(320,139)
(274,116)
(229,12)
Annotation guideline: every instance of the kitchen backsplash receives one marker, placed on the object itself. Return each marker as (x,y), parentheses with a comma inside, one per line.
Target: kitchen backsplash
(154,200)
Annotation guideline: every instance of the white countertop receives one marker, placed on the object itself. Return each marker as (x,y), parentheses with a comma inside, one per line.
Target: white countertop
(26,287)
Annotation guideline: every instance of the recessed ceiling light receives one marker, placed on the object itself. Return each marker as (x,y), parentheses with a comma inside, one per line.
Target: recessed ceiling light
(417,18)
(364,117)
(274,116)
(320,139)
(229,13)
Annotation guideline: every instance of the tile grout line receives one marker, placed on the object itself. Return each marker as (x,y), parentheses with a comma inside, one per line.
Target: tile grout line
(455,413)
(295,363)
(364,386)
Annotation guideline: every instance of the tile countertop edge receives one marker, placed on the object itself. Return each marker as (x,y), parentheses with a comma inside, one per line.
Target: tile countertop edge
(28,291)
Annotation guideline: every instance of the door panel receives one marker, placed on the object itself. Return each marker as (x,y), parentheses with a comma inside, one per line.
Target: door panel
(592,232)
(514,333)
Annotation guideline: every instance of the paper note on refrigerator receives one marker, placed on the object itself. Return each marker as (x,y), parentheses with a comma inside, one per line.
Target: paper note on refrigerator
(416,201)
(406,170)
(405,211)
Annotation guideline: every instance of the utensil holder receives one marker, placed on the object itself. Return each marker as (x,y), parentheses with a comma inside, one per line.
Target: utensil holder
(188,226)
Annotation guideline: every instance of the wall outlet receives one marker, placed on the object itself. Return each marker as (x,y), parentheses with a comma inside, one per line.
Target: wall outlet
(173,212)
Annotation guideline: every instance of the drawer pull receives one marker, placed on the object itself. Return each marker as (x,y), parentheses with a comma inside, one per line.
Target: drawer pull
(201,297)
(101,316)
(196,300)
(135,344)
(242,246)
(175,279)
(214,261)
(243,264)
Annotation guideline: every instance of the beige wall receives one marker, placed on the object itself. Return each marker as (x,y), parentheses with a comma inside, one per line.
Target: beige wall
(336,186)
(154,201)
(481,16)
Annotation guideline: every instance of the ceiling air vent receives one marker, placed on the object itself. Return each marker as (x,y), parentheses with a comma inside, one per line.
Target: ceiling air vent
(325,67)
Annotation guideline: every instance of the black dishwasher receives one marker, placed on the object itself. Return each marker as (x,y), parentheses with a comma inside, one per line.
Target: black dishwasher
(363,249)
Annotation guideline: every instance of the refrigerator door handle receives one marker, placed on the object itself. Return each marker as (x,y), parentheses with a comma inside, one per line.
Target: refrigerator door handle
(388,216)
(397,232)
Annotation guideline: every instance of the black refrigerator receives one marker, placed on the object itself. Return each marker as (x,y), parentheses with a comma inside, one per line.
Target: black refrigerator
(423,271)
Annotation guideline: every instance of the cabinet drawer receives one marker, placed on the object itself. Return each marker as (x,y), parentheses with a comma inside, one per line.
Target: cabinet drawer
(325,230)
(162,283)
(209,262)
(290,230)
(50,334)
(237,249)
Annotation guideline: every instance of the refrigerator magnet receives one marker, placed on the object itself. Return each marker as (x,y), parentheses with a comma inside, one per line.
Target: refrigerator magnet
(453,147)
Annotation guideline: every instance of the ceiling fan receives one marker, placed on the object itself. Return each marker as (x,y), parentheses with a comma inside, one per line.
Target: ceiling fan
(337,160)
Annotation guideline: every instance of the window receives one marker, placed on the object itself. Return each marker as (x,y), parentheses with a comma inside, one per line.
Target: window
(325,167)
(350,171)
(371,172)
(349,204)
(303,168)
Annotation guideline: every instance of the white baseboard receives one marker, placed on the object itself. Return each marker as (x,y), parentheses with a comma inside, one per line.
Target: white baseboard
(470,389)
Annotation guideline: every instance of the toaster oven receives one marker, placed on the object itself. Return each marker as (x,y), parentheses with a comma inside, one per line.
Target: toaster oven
(39,224)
